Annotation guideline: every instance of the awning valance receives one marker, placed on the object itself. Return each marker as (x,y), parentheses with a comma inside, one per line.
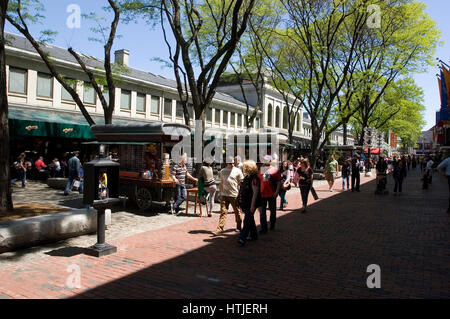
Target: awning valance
(31,122)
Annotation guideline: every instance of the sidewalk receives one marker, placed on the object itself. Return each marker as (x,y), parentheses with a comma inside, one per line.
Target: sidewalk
(321,254)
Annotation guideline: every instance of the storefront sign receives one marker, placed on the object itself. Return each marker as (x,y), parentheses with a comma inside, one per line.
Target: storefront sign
(32,127)
(67,130)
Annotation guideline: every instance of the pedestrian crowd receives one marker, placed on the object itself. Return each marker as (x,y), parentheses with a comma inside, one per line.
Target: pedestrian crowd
(35,167)
(246,187)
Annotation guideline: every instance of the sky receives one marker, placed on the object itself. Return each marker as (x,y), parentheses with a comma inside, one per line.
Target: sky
(146,43)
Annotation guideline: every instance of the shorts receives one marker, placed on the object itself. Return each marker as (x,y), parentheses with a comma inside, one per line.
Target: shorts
(329,177)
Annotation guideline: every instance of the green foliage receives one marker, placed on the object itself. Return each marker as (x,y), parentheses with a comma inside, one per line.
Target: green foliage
(32,12)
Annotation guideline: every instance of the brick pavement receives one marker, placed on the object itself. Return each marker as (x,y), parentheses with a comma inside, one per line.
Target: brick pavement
(321,254)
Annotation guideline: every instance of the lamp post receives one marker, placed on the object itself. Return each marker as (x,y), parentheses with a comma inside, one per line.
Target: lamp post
(101,192)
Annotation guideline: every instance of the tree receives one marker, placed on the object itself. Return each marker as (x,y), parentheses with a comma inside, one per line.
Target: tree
(249,65)
(206,35)
(20,13)
(404,44)
(6,203)
(399,110)
(317,56)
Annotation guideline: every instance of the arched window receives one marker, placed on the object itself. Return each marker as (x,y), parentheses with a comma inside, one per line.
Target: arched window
(269,114)
(285,118)
(277,117)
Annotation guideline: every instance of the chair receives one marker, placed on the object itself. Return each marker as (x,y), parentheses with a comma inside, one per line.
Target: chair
(194,191)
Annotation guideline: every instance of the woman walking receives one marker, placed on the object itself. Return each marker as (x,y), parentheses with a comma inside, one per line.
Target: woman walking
(399,174)
(209,184)
(305,178)
(285,183)
(296,167)
(346,174)
(249,199)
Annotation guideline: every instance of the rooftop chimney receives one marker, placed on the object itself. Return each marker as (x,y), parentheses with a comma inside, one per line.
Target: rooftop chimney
(122,56)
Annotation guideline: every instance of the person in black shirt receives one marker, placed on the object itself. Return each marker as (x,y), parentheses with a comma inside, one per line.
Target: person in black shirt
(305,176)
(356,178)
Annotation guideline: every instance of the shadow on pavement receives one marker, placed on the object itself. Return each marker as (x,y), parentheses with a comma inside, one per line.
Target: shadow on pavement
(322,254)
(66,252)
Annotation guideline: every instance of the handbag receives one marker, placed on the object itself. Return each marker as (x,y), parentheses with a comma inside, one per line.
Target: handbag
(314,193)
(286,186)
(76,184)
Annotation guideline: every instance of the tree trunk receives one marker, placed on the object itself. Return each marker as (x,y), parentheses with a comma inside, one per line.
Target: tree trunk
(6,203)
(345,133)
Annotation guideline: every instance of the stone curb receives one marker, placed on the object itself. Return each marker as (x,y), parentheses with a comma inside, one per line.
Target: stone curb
(28,232)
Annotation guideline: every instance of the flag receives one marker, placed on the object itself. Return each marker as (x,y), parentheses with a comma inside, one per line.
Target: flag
(446,73)
(444,96)
(445,112)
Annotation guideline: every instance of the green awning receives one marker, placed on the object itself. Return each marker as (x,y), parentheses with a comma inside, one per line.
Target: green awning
(31,122)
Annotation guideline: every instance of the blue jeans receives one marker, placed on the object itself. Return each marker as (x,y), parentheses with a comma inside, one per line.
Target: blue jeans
(181,196)
(273,212)
(345,178)
(69,184)
(21,176)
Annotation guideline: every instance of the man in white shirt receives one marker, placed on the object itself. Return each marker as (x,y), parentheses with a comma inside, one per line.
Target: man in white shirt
(230,179)
(427,176)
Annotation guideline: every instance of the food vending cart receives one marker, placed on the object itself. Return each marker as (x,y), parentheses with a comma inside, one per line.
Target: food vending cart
(143,151)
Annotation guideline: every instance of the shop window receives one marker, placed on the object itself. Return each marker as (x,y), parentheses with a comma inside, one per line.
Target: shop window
(44,85)
(179,110)
(155,105)
(168,107)
(65,95)
(225,118)
(17,82)
(140,103)
(125,100)
(217,117)
(88,93)
(209,115)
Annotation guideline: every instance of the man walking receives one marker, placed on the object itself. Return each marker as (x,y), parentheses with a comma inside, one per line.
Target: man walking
(444,169)
(74,165)
(270,178)
(230,179)
(427,176)
(356,178)
(330,171)
(179,175)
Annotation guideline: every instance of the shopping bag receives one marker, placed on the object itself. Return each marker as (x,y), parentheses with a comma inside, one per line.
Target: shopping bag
(76,184)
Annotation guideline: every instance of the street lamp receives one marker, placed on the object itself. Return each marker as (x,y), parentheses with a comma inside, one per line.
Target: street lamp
(101,180)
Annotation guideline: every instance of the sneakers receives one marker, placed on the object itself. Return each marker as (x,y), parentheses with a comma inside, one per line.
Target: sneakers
(217,233)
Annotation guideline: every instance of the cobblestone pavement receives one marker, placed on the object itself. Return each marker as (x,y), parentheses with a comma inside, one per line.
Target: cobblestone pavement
(321,254)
